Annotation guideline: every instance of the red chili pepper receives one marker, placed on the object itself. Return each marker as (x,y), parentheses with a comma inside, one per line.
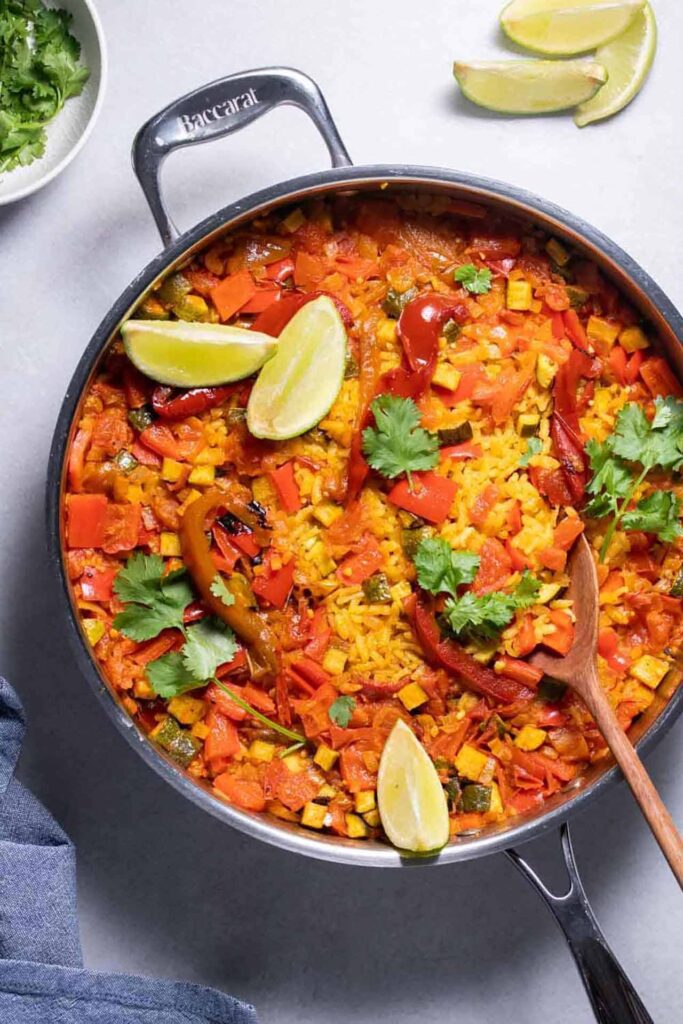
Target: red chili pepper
(565,430)
(430,497)
(275,318)
(173,405)
(419,328)
(568,448)
(450,655)
(286,486)
(275,585)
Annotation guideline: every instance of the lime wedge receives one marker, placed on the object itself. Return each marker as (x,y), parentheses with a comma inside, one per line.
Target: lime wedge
(410,797)
(194,355)
(296,388)
(529,86)
(562,27)
(628,59)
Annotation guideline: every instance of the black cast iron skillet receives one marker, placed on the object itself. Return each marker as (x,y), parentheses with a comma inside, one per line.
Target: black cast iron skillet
(219,109)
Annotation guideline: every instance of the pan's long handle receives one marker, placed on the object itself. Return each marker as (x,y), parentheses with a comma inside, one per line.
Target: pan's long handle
(612,996)
(218,109)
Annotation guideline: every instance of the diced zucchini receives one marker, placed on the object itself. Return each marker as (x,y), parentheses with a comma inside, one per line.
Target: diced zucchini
(313,815)
(326,512)
(141,418)
(527,424)
(334,661)
(557,252)
(453,793)
(394,301)
(547,592)
(446,376)
(546,369)
(186,709)
(401,590)
(326,792)
(677,587)
(325,757)
(530,738)
(649,670)
(455,435)
(151,309)
(633,338)
(365,801)
(386,331)
(173,289)
(319,555)
(412,538)
(519,295)
(577,296)
(496,801)
(350,366)
(372,818)
(476,799)
(601,330)
(412,696)
(376,589)
(191,307)
(125,461)
(356,827)
(181,745)
(293,221)
(470,762)
(451,331)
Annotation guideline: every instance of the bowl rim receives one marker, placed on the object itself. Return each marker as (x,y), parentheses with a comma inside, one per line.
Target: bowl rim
(293,839)
(34,186)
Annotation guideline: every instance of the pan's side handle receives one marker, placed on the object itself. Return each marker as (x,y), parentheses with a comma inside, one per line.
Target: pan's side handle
(218,109)
(612,996)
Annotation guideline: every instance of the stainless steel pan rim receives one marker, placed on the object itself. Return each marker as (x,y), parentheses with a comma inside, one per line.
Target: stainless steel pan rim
(363,178)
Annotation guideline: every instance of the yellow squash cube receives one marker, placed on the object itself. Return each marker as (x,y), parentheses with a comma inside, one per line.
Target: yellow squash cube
(186,710)
(356,827)
(171,470)
(412,696)
(94,630)
(365,801)
(202,476)
(372,818)
(169,545)
(313,815)
(325,757)
(649,670)
(496,805)
(632,338)
(326,512)
(519,295)
(601,330)
(530,738)
(446,376)
(260,750)
(334,661)
(470,762)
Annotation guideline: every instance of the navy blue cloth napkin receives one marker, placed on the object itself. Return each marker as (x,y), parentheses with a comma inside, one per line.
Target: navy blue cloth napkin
(42,979)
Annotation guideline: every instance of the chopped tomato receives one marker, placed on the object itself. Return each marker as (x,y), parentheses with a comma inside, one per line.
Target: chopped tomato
(608,648)
(495,566)
(285,484)
(553,558)
(121,528)
(85,521)
(311,671)
(293,789)
(313,711)
(514,517)
(244,793)
(363,563)
(355,771)
(430,496)
(275,585)
(232,293)
(519,561)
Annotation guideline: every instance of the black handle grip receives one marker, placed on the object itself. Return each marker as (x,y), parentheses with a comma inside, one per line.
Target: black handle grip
(612,996)
(218,109)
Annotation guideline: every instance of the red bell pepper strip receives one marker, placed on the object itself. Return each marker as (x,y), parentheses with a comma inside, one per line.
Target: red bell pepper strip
(162,441)
(419,328)
(285,484)
(633,366)
(460,452)
(274,585)
(97,586)
(261,300)
(659,378)
(365,561)
(618,362)
(448,654)
(430,498)
(232,293)
(280,270)
(568,448)
(574,330)
(86,515)
(274,319)
(521,671)
(608,648)
(173,405)
(367,389)
(311,671)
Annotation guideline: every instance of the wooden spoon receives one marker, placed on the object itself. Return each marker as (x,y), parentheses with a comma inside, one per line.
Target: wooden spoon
(578,669)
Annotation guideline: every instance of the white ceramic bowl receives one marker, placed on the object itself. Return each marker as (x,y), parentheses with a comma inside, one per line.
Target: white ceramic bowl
(67,134)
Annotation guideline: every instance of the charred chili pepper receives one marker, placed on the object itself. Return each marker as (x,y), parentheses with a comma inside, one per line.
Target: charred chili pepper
(448,654)
(565,430)
(248,624)
(173,405)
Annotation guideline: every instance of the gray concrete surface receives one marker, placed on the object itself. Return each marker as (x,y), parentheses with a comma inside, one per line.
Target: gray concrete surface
(165,889)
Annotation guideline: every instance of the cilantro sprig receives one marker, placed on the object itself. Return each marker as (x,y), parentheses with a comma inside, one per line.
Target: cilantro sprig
(534,446)
(441,570)
(478,282)
(650,444)
(39,71)
(156,600)
(397,443)
(341,711)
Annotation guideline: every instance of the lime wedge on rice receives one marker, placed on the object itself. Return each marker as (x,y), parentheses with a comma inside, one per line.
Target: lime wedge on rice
(194,355)
(627,59)
(563,27)
(529,86)
(410,797)
(296,388)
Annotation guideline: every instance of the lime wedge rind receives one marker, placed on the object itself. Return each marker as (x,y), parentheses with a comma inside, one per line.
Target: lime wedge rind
(562,28)
(529,86)
(410,798)
(191,355)
(628,60)
(298,386)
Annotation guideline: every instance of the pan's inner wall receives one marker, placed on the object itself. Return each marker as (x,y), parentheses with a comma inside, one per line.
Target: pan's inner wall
(631,280)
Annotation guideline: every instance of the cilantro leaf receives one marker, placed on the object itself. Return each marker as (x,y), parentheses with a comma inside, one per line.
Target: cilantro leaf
(155,601)
(658,513)
(169,677)
(397,443)
(440,569)
(219,590)
(609,472)
(341,711)
(483,616)
(476,281)
(209,644)
(656,444)
(533,447)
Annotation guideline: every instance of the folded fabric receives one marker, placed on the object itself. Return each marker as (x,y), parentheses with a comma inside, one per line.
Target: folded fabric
(42,979)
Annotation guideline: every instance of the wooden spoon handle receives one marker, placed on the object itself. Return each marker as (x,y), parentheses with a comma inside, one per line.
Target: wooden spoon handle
(649,800)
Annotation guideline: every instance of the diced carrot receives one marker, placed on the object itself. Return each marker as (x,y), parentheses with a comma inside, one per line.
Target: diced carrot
(232,293)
